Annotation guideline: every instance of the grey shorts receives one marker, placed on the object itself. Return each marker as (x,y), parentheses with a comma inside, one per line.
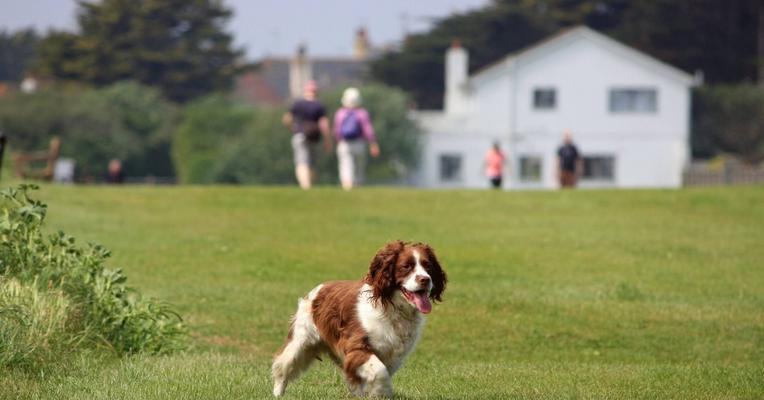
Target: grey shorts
(305,151)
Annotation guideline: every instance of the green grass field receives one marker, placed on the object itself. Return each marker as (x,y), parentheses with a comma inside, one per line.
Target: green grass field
(585,294)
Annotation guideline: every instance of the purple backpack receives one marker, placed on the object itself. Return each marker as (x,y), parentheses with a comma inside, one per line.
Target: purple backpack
(351,128)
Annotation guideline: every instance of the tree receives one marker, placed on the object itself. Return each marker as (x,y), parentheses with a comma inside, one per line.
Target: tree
(179,46)
(489,34)
(729,118)
(17,50)
(716,37)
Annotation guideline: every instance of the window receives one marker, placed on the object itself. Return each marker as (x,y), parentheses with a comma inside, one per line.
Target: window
(633,100)
(530,168)
(544,98)
(450,167)
(599,168)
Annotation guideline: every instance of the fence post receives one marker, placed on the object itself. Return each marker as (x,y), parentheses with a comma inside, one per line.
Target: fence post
(3,139)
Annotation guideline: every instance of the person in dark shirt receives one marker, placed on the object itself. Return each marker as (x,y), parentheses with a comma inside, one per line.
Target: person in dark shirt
(568,162)
(308,122)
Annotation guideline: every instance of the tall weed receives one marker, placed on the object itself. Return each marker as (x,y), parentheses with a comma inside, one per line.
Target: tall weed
(35,326)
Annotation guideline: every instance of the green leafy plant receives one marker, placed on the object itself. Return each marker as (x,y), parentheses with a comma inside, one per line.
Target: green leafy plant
(96,307)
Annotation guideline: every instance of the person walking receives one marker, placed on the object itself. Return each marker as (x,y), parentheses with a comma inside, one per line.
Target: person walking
(308,122)
(353,132)
(494,165)
(568,162)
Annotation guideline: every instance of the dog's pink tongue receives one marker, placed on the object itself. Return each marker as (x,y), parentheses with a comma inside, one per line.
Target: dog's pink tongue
(422,303)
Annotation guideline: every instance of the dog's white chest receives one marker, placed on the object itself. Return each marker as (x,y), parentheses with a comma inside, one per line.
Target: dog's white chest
(393,332)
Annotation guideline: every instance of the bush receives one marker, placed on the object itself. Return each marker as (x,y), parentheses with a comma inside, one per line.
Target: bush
(124,121)
(261,155)
(207,127)
(729,118)
(149,122)
(69,292)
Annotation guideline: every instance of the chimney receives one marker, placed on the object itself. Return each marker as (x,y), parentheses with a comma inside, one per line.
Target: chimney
(455,100)
(361,44)
(300,72)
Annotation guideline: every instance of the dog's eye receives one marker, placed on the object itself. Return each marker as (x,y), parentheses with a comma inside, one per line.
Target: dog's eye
(425,263)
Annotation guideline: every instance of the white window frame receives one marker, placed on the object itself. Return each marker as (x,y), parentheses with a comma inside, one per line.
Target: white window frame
(631,104)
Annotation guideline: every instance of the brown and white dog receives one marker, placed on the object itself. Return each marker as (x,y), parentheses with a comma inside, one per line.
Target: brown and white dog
(367,327)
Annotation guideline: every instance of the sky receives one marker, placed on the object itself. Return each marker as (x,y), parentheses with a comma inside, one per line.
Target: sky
(277,27)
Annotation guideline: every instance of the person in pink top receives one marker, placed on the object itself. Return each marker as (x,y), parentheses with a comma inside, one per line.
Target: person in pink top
(353,131)
(494,165)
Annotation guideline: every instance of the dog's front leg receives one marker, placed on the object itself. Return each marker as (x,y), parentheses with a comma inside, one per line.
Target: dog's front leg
(370,377)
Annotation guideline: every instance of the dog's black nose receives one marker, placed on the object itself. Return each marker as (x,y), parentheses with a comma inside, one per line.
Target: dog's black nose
(423,280)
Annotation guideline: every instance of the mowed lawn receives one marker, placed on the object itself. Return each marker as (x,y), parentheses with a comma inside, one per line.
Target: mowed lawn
(575,294)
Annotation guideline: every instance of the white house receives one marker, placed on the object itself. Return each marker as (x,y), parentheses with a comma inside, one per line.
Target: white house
(628,114)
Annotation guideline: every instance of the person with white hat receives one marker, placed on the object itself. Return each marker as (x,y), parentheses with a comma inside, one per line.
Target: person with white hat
(353,131)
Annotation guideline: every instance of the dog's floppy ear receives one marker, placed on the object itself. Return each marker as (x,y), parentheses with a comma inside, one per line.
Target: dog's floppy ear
(438,276)
(381,274)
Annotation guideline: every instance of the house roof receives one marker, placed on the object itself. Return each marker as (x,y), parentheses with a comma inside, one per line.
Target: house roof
(569,35)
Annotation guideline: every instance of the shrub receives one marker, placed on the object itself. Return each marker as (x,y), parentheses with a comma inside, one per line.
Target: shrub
(61,277)
(207,126)
(261,155)
(148,121)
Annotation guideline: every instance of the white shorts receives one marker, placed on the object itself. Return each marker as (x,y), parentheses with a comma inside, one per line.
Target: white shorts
(351,156)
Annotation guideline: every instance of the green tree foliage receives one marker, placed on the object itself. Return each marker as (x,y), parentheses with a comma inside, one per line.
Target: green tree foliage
(222,141)
(179,46)
(125,121)
(717,37)
(17,50)
(489,34)
(729,118)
